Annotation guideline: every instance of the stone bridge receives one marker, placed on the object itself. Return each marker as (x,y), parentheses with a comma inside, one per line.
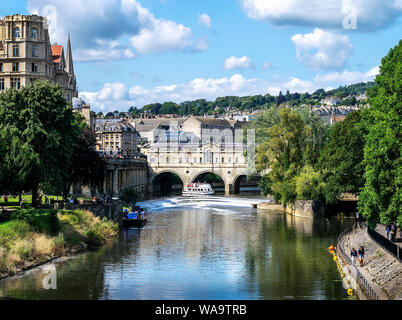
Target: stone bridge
(192,163)
(230,174)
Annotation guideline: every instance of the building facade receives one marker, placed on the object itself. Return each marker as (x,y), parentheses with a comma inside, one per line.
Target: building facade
(116,138)
(26,55)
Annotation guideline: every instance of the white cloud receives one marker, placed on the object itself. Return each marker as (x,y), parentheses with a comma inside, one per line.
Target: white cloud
(234,63)
(94,24)
(162,35)
(370,14)
(116,96)
(348,77)
(205,20)
(331,49)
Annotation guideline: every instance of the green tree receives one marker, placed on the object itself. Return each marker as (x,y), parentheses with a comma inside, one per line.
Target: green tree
(341,160)
(309,184)
(41,125)
(280,158)
(380,199)
(86,167)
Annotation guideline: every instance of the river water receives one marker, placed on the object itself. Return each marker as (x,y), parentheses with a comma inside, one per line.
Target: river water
(215,249)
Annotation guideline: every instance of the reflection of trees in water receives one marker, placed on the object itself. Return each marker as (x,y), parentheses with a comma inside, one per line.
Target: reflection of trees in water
(290,258)
(80,278)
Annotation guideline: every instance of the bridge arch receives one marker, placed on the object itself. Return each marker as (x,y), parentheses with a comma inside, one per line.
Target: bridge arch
(241,178)
(215,184)
(167,182)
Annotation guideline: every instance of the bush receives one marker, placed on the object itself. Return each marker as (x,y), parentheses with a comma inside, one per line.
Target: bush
(24,248)
(41,220)
(129,194)
(309,185)
(59,245)
(13,230)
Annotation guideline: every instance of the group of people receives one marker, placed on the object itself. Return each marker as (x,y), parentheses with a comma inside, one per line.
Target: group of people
(138,212)
(102,199)
(391,229)
(359,253)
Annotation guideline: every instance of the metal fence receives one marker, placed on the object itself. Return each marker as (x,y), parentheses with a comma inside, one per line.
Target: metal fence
(359,276)
(385,243)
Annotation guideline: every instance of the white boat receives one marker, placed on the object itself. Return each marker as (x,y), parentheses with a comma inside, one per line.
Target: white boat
(197,189)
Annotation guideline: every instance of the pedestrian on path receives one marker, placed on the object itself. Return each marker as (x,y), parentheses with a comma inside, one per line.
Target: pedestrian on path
(361,255)
(353,254)
(388,230)
(394,229)
(357,219)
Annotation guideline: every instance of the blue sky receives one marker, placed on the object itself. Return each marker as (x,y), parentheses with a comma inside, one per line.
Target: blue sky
(135,52)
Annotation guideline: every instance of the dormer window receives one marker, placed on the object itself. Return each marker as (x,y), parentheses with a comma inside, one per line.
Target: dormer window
(17,33)
(34,34)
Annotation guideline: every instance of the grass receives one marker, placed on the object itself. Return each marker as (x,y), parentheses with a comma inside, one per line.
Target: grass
(27,199)
(34,236)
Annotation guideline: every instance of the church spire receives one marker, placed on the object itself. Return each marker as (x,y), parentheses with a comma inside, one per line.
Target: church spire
(69,58)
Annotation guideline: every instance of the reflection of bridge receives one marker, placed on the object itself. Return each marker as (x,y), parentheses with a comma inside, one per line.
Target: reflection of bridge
(191,164)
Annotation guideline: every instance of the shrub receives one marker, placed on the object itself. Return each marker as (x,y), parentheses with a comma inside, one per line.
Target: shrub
(41,220)
(43,245)
(59,245)
(23,248)
(129,194)
(13,230)
(309,185)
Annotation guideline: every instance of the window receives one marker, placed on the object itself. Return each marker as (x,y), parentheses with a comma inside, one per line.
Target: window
(1,67)
(17,33)
(34,67)
(34,34)
(16,50)
(16,67)
(35,52)
(15,83)
(223,160)
(200,160)
(1,84)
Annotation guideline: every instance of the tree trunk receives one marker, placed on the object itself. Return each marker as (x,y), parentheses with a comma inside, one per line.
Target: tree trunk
(65,192)
(20,198)
(34,196)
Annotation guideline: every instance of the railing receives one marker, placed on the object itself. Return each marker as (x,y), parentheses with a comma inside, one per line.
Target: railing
(391,247)
(359,276)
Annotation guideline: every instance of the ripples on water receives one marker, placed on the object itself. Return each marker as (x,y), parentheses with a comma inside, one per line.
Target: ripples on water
(220,249)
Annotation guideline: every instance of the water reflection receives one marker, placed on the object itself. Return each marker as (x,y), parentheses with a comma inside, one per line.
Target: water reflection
(207,253)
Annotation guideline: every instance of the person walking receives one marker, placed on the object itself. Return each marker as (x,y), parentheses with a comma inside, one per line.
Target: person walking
(388,230)
(394,229)
(361,255)
(353,254)
(357,219)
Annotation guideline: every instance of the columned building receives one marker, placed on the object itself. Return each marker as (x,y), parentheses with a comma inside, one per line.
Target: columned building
(26,55)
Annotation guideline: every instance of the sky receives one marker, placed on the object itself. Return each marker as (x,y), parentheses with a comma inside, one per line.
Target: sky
(135,52)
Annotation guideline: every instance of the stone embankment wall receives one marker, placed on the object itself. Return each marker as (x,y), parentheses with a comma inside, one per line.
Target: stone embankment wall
(381,269)
(301,208)
(307,209)
(112,211)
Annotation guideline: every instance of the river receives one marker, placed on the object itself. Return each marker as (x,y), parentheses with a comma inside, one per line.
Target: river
(216,249)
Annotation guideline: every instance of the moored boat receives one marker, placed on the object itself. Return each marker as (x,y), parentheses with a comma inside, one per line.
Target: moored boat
(135,219)
(197,189)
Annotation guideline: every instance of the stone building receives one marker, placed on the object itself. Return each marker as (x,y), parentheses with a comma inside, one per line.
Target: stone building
(26,55)
(85,110)
(116,137)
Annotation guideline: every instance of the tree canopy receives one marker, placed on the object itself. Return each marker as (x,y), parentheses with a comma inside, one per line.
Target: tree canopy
(39,135)
(380,199)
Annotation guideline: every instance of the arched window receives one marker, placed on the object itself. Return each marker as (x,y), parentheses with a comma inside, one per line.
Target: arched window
(17,33)
(34,34)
